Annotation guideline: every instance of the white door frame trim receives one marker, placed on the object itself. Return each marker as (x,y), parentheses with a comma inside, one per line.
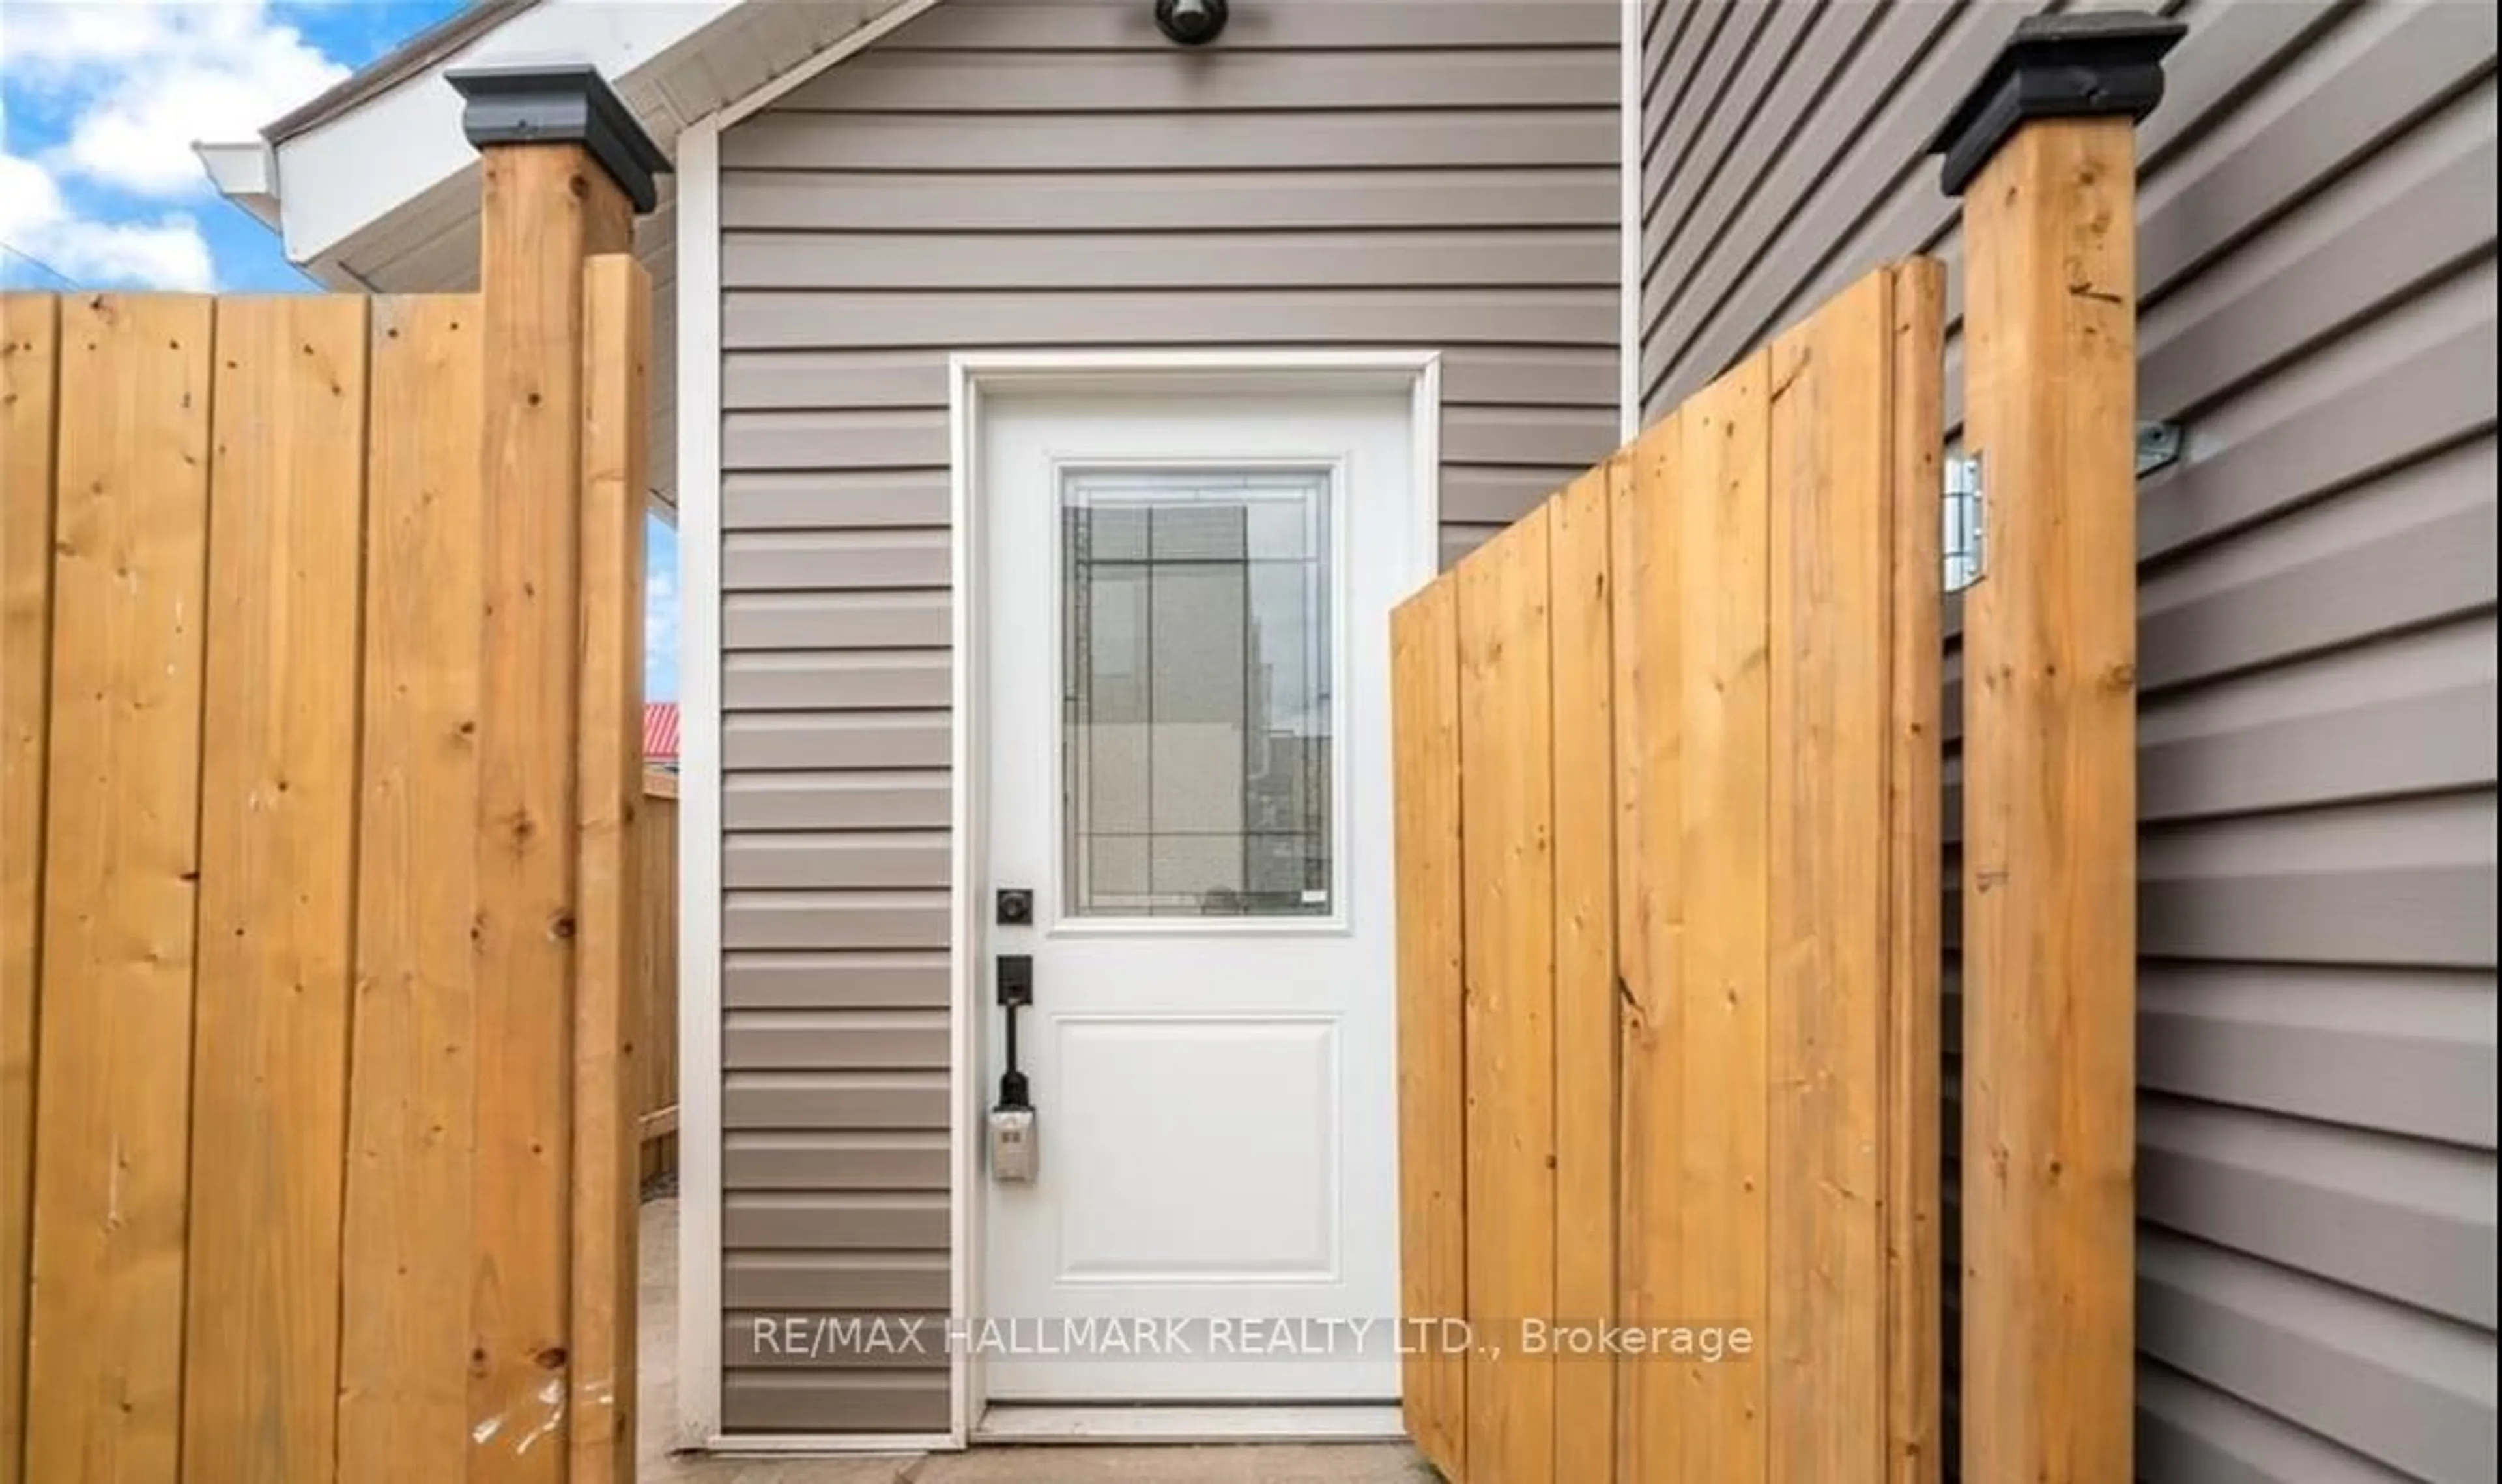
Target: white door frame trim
(1418,372)
(698,1422)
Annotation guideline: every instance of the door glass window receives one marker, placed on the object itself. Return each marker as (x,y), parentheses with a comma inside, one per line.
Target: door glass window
(1196,692)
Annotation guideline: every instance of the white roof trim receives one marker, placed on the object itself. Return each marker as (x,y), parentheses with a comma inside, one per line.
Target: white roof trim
(868,35)
(347,174)
(341,183)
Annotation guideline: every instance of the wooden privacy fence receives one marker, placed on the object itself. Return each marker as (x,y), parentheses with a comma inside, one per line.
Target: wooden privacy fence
(655,994)
(1668,837)
(322,745)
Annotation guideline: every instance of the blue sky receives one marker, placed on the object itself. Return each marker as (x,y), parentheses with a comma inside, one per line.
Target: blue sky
(660,614)
(103,100)
(100,103)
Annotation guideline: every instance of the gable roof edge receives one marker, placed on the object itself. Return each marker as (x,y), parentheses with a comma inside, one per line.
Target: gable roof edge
(411,58)
(853,42)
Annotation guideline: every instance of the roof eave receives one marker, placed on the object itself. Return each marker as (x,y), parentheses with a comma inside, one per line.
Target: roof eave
(354,178)
(245,173)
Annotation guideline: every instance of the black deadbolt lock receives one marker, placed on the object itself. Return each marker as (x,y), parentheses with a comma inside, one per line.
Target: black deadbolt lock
(1015,907)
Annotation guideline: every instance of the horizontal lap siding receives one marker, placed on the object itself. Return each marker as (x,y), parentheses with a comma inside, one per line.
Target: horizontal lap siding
(2316,1059)
(656,243)
(1053,175)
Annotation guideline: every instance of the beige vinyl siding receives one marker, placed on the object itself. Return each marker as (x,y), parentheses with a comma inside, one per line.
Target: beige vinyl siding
(2316,1172)
(1054,175)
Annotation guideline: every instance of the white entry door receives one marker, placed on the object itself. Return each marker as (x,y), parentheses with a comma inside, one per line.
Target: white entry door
(1187,737)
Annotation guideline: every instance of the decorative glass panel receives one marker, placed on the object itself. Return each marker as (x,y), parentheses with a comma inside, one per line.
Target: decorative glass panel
(1196,692)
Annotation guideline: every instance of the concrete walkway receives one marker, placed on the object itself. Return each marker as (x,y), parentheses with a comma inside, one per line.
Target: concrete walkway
(1352,1463)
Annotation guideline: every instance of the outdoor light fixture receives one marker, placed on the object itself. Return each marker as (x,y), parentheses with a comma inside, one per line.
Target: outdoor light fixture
(1190,23)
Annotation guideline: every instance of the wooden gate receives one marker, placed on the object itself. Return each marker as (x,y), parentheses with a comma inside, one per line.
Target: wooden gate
(322,738)
(1669,855)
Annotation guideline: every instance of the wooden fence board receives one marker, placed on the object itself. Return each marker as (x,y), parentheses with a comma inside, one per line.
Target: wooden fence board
(1506,785)
(302,639)
(1830,433)
(30,372)
(617,348)
(1425,702)
(1649,905)
(656,958)
(1585,976)
(112,1116)
(1718,1191)
(1708,1059)
(1913,1316)
(404,1356)
(277,789)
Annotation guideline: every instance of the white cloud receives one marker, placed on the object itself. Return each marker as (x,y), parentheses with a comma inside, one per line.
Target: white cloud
(165,250)
(28,198)
(127,87)
(144,78)
(166,253)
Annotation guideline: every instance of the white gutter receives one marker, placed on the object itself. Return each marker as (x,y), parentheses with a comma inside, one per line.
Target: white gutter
(246,174)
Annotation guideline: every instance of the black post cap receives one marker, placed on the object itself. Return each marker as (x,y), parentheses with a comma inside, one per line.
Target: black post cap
(567,103)
(2080,65)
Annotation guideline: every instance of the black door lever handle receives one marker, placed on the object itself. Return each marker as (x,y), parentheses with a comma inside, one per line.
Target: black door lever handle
(1014,973)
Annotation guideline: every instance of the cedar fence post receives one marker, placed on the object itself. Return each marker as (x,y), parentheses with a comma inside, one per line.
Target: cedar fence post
(566,167)
(2042,152)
